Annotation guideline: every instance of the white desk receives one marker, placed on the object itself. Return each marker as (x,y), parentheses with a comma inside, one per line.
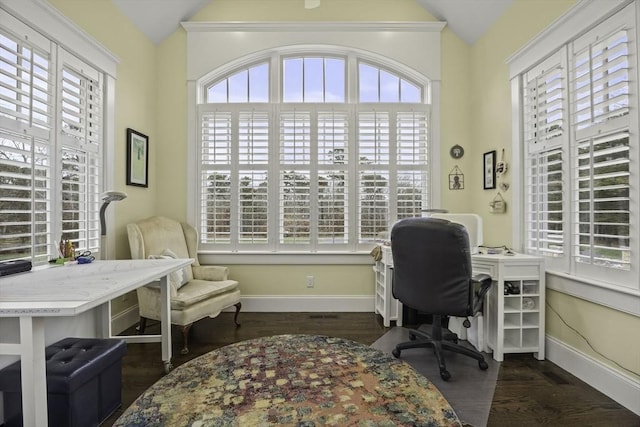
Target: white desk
(513,323)
(67,291)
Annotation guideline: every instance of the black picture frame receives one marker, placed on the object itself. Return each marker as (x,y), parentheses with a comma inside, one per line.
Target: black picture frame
(489,169)
(137,158)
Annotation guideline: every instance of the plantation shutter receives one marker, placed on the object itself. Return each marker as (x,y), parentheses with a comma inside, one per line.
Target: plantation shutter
(412,163)
(545,121)
(333,178)
(544,213)
(374,174)
(215,176)
(295,178)
(253,153)
(80,88)
(26,120)
(602,66)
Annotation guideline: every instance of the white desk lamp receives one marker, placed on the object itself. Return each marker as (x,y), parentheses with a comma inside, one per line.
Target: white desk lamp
(108,197)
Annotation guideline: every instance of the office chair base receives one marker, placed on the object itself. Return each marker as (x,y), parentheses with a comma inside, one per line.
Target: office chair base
(444,340)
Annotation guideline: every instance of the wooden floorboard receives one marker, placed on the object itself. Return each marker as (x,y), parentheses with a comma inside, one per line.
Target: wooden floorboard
(528,393)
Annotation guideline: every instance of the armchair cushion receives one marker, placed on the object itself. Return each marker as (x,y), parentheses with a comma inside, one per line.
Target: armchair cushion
(210,272)
(199,290)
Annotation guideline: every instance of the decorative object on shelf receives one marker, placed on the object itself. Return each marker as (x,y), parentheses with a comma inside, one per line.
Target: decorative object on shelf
(501,166)
(498,204)
(528,303)
(456,152)
(504,186)
(489,168)
(137,158)
(456,179)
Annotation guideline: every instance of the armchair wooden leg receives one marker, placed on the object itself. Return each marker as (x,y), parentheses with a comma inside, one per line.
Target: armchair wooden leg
(142,325)
(235,318)
(185,339)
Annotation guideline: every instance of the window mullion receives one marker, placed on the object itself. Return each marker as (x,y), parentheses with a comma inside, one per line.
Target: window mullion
(235,178)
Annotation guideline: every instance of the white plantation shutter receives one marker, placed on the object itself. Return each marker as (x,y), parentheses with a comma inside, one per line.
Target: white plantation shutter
(333,178)
(544,210)
(51,136)
(412,163)
(581,154)
(215,176)
(253,154)
(545,102)
(80,198)
(602,204)
(80,95)
(600,78)
(295,178)
(603,63)
(26,97)
(545,121)
(25,201)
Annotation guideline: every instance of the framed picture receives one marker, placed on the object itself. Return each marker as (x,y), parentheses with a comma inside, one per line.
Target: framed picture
(137,158)
(489,170)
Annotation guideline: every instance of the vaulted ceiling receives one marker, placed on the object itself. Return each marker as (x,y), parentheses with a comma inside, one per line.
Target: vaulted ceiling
(469,19)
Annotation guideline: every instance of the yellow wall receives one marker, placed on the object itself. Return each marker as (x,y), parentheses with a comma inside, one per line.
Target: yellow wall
(603,327)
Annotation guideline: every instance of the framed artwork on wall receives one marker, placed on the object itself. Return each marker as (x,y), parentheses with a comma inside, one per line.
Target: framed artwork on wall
(489,168)
(137,158)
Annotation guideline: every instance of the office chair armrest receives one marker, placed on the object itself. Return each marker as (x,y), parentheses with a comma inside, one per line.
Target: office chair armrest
(484,282)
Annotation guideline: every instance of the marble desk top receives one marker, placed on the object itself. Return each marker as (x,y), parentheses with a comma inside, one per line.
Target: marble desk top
(74,288)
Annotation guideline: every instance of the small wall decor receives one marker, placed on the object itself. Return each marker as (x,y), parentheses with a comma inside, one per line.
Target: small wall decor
(456,152)
(137,158)
(456,179)
(498,204)
(489,168)
(501,166)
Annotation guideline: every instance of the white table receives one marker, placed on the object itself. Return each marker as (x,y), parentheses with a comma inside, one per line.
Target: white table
(68,291)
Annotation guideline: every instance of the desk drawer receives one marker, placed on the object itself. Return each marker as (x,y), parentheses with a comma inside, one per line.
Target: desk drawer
(485,268)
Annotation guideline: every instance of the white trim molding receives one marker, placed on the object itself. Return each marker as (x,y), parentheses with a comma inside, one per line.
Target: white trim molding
(619,387)
(280,26)
(304,304)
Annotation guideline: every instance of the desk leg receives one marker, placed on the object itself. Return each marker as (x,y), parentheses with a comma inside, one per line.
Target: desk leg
(165,312)
(34,374)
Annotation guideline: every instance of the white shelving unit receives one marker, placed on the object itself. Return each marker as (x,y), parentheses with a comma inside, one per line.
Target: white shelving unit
(386,305)
(514,322)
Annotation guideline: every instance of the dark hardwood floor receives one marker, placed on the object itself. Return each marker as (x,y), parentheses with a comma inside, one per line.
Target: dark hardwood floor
(528,392)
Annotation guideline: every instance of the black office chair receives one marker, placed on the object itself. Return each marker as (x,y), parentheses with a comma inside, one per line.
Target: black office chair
(432,274)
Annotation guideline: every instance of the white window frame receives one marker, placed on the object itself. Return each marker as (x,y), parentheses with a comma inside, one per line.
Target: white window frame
(569,27)
(64,34)
(376,42)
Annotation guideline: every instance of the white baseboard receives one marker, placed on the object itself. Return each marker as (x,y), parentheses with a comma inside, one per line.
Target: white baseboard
(619,387)
(301,303)
(124,320)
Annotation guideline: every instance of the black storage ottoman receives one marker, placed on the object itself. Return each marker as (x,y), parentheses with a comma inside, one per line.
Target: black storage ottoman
(83,382)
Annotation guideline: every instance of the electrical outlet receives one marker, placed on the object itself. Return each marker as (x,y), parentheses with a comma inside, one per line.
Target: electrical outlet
(311,281)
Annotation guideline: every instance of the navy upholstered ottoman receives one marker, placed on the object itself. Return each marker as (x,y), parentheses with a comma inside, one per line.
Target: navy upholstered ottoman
(83,382)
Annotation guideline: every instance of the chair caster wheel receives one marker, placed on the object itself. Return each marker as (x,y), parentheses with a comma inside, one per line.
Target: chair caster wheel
(483,365)
(445,375)
(395,352)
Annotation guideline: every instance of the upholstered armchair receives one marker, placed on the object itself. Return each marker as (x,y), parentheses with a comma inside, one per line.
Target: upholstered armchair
(196,292)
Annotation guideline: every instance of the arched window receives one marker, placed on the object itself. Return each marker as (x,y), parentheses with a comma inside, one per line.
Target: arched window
(310,151)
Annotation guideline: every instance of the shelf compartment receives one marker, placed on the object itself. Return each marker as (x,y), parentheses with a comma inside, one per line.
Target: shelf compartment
(512,303)
(512,338)
(530,287)
(530,337)
(530,320)
(512,320)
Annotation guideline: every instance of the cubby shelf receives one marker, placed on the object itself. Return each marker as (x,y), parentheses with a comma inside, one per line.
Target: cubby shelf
(514,305)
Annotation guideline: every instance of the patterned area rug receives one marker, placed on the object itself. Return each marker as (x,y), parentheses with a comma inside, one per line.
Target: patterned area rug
(297,380)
